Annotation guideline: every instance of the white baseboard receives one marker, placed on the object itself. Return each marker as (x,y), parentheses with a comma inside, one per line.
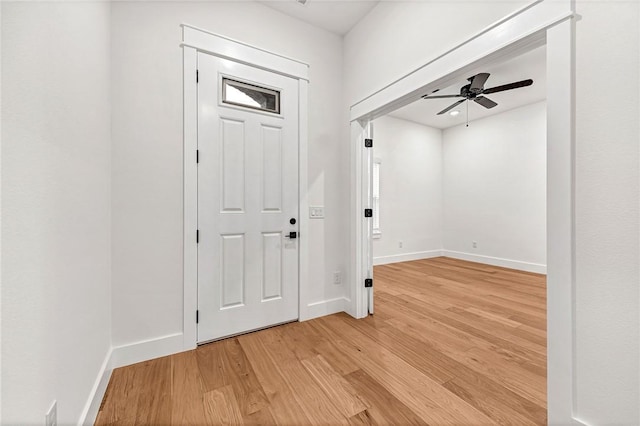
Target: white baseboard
(90,412)
(146,350)
(497,261)
(325,307)
(121,356)
(132,353)
(349,308)
(405,257)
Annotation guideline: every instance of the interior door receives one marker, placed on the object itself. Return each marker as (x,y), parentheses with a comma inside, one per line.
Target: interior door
(247,198)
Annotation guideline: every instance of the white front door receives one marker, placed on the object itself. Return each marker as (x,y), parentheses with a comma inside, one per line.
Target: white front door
(247,198)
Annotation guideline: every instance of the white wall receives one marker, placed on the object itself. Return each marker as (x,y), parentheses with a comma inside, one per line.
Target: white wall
(410,190)
(147,151)
(607,231)
(441,190)
(56,207)
(607,379)
(495,189)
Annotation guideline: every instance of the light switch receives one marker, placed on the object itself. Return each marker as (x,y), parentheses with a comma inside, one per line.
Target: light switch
(316,212)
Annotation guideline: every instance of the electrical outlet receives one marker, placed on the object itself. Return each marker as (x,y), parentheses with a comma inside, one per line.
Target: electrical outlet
(474,244)
(51,418)
(399,244)
(337,278)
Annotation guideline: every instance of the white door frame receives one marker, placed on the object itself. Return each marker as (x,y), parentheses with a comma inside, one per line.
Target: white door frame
(538,23)
(196,40)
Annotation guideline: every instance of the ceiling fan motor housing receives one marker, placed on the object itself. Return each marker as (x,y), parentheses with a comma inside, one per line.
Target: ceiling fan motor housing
(468,92)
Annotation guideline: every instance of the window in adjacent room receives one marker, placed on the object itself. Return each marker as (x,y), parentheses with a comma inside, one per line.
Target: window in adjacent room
(376,199)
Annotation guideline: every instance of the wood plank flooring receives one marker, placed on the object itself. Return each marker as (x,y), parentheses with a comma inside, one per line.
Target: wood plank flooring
(451,343)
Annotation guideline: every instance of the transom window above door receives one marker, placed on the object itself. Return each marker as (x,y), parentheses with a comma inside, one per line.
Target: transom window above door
(247,95)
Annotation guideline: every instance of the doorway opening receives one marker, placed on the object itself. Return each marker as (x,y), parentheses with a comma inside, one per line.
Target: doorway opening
(459,228)
(533,27)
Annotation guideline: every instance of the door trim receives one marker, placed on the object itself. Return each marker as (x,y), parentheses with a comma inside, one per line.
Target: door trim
(196,40)
(540,22)
(247,54)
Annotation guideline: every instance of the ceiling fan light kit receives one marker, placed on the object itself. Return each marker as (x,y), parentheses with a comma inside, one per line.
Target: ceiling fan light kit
(475,91)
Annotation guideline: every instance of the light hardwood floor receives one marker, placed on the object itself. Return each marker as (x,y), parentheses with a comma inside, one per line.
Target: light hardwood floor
(451,343)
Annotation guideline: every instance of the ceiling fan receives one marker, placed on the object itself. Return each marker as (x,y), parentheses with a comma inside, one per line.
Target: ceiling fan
(475,89)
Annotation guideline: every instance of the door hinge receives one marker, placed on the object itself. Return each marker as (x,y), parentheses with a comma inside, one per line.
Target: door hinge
(197,76)
(368,143)
(197,236)
(197,317)
(197,156)
(368,282)
(368,212)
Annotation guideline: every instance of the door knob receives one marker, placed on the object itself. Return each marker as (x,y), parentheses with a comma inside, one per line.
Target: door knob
(293,235)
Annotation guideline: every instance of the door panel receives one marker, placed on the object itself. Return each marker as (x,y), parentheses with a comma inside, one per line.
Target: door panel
(233,261)
(233,170)
(271,168)
(272,265)
(247,193)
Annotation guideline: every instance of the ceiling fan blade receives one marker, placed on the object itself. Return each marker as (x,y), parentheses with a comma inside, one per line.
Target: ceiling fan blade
(441,96)
(516,85)
(478,80)
(485,102)
(451,106)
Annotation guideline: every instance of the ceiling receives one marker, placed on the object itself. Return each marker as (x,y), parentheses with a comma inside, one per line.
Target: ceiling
(529,65)
(337,17)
